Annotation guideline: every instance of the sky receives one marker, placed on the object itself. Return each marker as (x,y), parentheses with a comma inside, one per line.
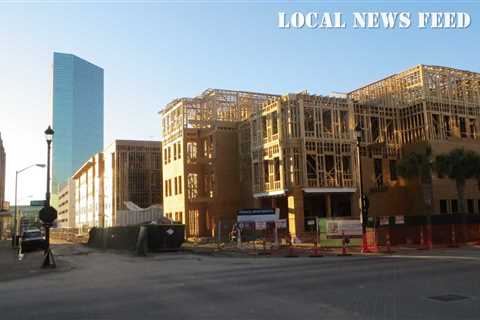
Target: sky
(155,51)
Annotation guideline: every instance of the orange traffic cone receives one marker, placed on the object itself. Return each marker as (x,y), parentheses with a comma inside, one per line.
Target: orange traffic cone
(388,243)
(291,253)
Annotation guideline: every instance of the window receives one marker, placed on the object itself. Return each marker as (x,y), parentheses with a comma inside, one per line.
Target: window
(393,170)
(309,121)
(375,124)
(470,206)
(446,125)
(264,126)
(180,184)
(179,151)
(169,155)
(175,151)
(191,152)
(274,123)
(473,129)
(443,206)
(377,165)
(311,167)
(277,169)
(192,186)
(454,206)
(435,123)
(327,121)
(165,156)
(209,185)
(344,122)
(256,173)
(265,171)
(463,127)
(176,185)
(178,216)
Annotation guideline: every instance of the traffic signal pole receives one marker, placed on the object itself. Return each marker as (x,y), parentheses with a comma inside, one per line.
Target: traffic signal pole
(364,204)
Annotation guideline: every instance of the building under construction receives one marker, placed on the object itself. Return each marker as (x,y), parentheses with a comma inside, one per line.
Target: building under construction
(423,107)
(201,176)
(303,157)
(227,150)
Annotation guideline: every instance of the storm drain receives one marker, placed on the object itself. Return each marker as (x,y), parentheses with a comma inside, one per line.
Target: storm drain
(448,297)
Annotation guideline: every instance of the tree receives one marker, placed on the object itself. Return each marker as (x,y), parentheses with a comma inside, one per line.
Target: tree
(419,165)
(458,165)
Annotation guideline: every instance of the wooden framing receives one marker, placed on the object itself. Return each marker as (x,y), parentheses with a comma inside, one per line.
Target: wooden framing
(302,140)
(423,106)
(204,134)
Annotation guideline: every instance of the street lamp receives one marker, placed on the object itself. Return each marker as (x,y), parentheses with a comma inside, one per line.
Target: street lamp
(48,214)
(48,137)
(14,236)
(363,197)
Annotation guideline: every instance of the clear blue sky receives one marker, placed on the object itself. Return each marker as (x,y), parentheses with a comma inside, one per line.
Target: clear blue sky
(153,52)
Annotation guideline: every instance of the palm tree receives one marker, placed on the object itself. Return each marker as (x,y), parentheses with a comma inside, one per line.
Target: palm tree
(458,165)
(419,165)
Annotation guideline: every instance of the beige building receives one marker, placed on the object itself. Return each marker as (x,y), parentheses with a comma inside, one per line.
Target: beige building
(201,157)
(66,206)
(127,170)
(2,175)
(89,193)
(133,172)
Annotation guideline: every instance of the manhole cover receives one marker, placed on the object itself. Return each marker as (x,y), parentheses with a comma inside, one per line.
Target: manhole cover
(448,297)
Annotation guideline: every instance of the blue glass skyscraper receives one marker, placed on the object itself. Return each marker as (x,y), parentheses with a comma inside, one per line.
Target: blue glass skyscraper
(77,115)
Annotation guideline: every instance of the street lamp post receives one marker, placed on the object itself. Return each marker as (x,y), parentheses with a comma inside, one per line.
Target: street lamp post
(48,214)
(14,233)
(363,197)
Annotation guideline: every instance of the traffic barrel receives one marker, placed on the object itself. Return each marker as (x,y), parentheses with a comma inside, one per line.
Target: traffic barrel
(291,253)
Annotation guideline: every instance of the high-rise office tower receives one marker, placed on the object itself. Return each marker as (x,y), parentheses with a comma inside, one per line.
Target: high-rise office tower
(77,116)
(2,174)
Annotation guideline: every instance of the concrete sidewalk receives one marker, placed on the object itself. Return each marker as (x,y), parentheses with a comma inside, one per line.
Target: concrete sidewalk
(12,268)
(305,249)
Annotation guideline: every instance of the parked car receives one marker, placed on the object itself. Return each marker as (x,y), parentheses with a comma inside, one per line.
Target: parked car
(33,239)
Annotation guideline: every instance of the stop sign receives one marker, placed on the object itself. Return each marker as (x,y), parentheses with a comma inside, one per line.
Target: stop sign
(47,214)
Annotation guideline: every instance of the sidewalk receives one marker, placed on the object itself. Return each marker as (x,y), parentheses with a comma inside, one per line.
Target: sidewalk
(11,268)
(307,249)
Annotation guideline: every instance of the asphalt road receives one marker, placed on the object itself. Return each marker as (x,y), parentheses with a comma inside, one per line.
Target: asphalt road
(187,286)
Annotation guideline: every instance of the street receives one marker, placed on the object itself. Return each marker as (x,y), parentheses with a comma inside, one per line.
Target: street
(104,285)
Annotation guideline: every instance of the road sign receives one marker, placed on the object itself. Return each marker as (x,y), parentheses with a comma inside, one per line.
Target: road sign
(281,223)
(384,221)
(399,219)
(253,215)
(337,228)
(260,225)
(47,214)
